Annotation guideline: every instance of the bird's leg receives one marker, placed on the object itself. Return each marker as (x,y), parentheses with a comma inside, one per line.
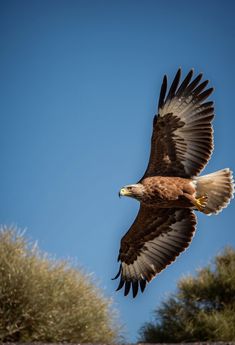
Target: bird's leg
(200,203)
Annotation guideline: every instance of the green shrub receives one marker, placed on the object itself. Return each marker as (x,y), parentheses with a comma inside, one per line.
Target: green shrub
(203,309)
(47,300)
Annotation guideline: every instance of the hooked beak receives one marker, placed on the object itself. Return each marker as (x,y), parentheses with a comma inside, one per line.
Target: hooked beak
(123,192)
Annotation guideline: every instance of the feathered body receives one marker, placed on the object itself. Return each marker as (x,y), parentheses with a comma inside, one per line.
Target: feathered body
(167,192)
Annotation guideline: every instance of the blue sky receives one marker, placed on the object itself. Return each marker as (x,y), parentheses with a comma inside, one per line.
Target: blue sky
(79,88)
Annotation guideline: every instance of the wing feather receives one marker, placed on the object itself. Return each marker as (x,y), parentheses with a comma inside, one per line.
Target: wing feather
(186,82)
(174,85)
(155,239)
(182,139)
(162,92)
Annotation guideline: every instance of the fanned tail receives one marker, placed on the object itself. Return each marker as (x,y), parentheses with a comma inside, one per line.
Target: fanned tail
(218,187)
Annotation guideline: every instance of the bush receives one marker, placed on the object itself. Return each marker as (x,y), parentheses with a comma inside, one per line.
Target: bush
(203,309)
(46,300)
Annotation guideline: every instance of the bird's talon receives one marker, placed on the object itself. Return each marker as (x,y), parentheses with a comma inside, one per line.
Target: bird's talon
(201,202)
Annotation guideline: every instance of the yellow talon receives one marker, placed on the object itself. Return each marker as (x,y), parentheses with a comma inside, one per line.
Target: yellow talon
(201,202)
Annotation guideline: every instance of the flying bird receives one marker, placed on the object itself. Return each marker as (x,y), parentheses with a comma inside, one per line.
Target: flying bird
(170,190)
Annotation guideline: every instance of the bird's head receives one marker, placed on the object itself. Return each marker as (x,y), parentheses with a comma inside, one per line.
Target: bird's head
(133,191)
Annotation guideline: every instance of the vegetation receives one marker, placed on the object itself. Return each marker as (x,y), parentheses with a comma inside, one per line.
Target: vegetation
(46,300)
(203,309)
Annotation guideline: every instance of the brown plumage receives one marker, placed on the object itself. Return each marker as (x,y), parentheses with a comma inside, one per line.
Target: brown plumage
(169,191)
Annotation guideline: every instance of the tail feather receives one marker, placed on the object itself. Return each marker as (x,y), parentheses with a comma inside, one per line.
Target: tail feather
(219,189)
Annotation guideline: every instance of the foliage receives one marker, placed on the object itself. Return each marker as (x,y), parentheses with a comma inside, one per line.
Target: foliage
(203,309)
(46,300)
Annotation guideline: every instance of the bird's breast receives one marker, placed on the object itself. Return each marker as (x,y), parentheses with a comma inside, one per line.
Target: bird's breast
(167,191)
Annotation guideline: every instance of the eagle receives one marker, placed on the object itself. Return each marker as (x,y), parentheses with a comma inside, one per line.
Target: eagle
(171,188)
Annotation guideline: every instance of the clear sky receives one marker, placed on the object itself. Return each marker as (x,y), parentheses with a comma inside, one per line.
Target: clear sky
(79,88)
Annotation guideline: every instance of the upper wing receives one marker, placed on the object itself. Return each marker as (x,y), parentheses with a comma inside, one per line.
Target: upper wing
(155,239)
(182,139)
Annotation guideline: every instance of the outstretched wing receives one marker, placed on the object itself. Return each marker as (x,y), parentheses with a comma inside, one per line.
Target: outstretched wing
(182,139)
(155,239)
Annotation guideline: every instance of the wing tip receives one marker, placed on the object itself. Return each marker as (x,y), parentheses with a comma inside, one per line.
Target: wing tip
(121,283)
(175,83)
(136,285)
(127,288)
(162,92)
(118,274)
